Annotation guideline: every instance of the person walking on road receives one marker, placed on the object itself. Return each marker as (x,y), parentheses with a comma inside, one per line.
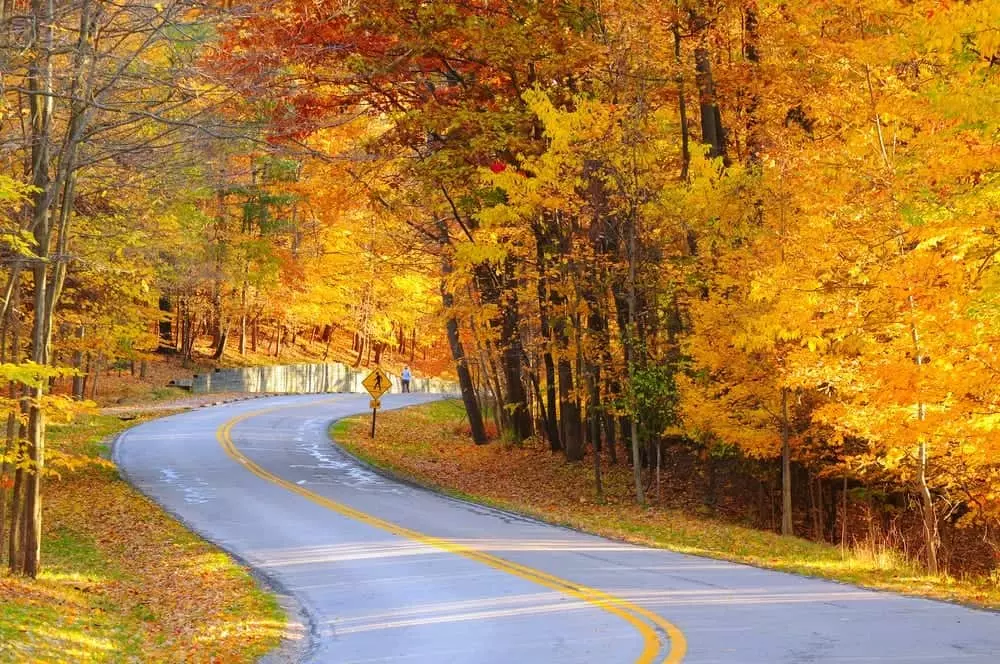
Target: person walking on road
(406,378)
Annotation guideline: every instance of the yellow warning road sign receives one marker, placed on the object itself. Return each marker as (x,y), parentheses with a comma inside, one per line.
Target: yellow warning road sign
(374,404)
(377,383)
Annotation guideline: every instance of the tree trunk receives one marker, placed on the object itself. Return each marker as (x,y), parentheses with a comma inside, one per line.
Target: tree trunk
(610,438)
(32,548)
(533,375)
(681,97)
(243,334)
(516,399)
(594,416)
(712,132)
(552,416)
(543,243)
(78,380)
(189,336)
(179,327)
(583,431)
(49,194)
(932,538)
(472,409)
(929,514)
(843,515)
(491,378)
(786,468)
(14,559)
(755,141)
(98,365)
(41,107)
(223,339)
(659,461)
(217,323)
(10,453)
(630,359)
(166,336)
(87,364)
(593,278)
(361,343)
(464,377)
(569,411)
(187,333)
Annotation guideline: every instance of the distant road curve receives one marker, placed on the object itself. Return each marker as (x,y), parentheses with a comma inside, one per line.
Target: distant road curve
(390,573)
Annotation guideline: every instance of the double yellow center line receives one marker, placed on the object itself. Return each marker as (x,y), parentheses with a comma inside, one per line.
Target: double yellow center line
(645,622)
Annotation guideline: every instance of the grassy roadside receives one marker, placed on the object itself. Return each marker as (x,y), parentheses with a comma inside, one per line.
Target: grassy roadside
(122,581)
(429,445)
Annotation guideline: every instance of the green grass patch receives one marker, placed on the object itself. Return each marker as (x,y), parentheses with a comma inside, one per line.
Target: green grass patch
(440,412)
(68,553)
(88,436)
(340,427)
(167,393)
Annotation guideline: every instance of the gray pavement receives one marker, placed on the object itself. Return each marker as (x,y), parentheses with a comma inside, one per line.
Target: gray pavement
(463,583)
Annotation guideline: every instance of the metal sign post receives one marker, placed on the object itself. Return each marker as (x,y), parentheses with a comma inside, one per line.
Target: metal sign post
(374,404)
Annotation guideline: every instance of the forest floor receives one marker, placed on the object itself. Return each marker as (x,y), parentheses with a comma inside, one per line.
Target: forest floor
(121,580)
(431,445)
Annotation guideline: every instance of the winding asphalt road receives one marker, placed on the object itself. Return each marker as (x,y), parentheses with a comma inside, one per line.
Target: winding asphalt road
(390,573)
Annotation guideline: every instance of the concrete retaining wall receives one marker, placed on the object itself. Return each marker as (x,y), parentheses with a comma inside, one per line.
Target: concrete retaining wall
(306,379)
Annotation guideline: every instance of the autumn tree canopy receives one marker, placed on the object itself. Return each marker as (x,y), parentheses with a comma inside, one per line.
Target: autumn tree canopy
(758,229)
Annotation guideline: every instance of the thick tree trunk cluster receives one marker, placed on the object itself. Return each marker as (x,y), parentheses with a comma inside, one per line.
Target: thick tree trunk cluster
(68,63)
